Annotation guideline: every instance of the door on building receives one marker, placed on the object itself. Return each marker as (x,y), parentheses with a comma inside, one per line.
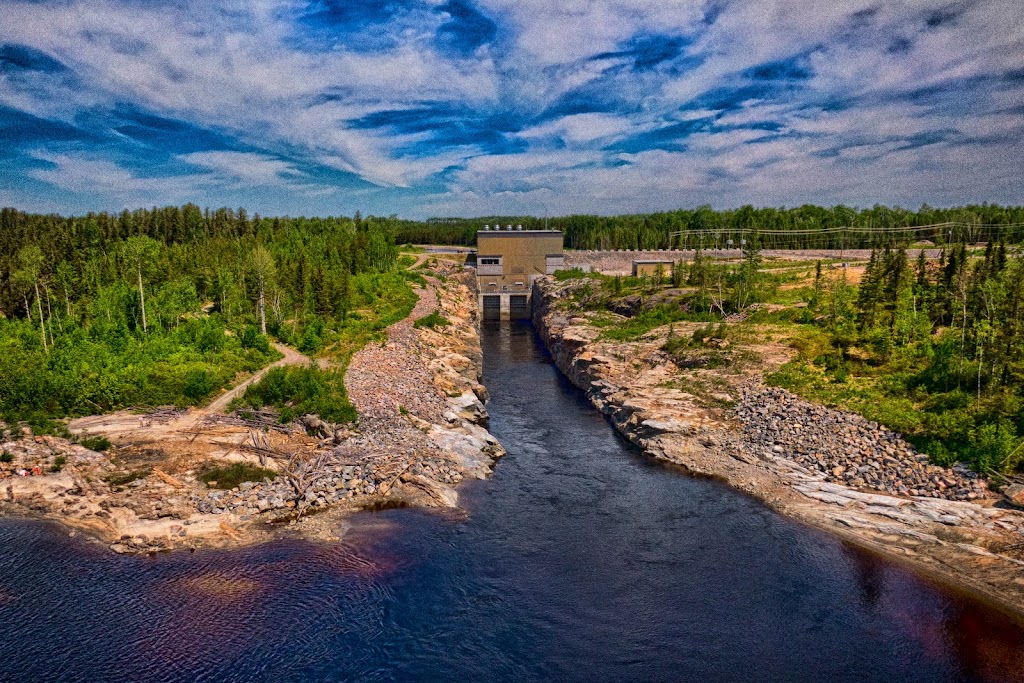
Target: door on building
(519,308)
(492,307)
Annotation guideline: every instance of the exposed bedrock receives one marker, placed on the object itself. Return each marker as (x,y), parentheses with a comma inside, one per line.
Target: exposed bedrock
(825,467)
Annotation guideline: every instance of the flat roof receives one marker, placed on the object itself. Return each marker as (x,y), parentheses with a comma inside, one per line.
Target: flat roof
(513,233)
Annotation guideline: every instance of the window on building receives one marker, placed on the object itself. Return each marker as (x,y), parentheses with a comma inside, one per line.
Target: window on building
(490,262)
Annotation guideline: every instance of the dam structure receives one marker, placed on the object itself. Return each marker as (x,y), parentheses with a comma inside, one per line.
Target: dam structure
(507,263)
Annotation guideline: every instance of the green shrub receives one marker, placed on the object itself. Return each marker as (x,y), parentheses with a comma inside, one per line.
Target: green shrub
(96,443)
(312,337)
(252,339)
(431,321)
(198,385)
(230,476)
(6,457)
(302,390)
(58,463)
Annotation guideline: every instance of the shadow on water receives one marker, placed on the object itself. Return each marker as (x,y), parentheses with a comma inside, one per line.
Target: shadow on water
(579,560)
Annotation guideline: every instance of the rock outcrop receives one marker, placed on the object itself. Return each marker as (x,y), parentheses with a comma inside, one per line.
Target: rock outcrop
(824,467)
(421,431)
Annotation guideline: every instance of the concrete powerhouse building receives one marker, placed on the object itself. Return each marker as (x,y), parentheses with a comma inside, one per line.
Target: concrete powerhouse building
(507,263)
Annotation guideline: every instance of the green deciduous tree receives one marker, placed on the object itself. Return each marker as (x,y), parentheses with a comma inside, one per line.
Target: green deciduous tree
(263,268)
(139,253)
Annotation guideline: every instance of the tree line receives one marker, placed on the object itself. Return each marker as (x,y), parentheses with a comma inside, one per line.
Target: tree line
(804,227)
(946,337)
(166,305)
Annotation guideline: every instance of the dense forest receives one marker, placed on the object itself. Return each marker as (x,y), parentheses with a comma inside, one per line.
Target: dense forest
(805,227)
(933,349)
(166,305)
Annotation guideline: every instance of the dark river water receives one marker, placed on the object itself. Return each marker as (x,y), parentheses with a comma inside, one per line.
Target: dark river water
(578,560)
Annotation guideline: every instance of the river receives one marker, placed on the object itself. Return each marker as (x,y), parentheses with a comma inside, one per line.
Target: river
(579,560)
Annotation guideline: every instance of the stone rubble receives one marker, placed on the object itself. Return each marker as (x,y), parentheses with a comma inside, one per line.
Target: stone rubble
(846,448)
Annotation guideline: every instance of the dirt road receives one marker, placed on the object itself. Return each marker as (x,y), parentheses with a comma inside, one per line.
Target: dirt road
(219,404)
(125,423)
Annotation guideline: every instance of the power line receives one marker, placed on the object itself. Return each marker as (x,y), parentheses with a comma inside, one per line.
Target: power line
(846,229)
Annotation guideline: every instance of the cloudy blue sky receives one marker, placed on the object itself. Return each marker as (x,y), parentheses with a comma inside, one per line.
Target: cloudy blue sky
(475,107)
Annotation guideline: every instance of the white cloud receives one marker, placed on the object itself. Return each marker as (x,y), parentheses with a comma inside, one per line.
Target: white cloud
(581,128)
(244,167)
(77,173)
(243,69)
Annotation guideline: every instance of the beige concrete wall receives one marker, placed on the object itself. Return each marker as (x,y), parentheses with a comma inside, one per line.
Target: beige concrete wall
(523,258)
(651,269)
(505,306)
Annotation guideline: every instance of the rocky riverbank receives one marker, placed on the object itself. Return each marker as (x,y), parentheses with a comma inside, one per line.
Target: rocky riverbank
(845,448)
(823,467)
(421,431)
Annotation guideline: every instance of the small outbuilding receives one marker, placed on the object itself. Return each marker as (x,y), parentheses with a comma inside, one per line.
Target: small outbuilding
(653,268)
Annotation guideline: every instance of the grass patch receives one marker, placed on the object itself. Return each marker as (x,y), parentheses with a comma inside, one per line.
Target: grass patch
(115,480)
(636,327)
(709,390)
(570,274)
(415,278)
(431,321)
(232,475)
(96,443)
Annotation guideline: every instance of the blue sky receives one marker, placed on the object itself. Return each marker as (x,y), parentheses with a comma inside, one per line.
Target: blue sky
(477,107)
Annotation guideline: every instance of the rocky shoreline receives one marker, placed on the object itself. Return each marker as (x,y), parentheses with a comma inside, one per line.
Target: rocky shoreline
(823,467)
(845,448)
(421,431)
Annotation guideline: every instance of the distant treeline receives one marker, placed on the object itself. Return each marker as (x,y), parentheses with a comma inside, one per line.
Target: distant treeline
(805,227)
(313,258)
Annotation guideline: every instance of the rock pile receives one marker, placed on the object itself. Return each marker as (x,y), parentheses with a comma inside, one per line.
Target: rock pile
(846,448)
(341,482)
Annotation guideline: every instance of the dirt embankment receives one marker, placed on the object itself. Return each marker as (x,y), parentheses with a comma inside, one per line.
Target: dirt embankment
(420,432)
(820,466)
